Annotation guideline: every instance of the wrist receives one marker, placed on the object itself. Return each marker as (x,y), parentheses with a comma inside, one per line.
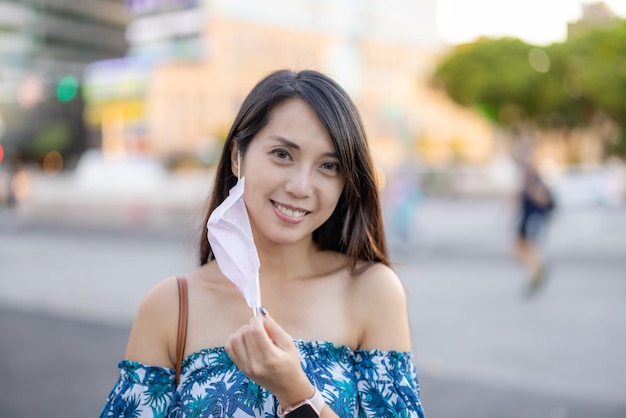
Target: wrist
(308,407)
(296,390)
(295,395)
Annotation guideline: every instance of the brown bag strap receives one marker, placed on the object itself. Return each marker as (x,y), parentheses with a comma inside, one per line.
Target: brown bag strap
(182,325)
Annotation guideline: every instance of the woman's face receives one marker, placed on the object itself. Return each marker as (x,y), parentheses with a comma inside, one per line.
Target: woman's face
(293,178)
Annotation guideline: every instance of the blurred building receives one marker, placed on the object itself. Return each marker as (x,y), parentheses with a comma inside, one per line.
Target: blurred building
(116,90)
(44,48)
(595,15)
(191,62)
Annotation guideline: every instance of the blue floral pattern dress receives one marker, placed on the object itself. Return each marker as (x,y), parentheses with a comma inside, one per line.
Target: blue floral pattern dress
(354,383)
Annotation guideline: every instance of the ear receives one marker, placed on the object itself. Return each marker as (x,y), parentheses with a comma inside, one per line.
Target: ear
(234,164)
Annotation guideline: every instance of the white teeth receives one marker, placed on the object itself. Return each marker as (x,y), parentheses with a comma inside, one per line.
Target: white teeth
(289,212)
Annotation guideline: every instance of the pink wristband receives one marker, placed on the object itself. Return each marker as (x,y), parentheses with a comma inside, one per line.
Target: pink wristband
(316,402)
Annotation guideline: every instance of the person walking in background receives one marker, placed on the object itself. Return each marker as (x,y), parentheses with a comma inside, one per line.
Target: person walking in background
(402,198)
(536,203)
(334,337)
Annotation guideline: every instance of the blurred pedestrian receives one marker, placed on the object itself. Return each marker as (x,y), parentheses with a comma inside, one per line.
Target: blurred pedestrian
(536,203)
(337,342)
(403,196)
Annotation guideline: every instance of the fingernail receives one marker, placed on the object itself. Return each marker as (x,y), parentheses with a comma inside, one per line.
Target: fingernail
(264,312)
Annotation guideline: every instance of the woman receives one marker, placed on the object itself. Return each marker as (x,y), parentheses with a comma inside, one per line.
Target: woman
(337,341)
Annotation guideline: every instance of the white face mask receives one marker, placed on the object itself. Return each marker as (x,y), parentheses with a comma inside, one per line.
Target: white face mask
(230,236)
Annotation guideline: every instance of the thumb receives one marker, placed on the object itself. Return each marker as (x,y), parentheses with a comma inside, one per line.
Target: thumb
(278,335)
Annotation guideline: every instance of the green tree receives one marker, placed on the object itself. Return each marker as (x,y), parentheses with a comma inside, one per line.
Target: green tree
(563,85)
(597,62)
(492,75)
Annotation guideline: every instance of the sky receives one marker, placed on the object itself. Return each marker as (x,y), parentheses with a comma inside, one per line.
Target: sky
(539,22)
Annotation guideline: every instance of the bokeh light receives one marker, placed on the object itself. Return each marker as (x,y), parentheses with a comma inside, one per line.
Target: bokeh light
(67,89)
(539,60)
(52,163)
(20,185)
(30,92)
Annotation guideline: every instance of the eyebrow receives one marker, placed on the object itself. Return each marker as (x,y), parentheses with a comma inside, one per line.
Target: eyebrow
(295,146)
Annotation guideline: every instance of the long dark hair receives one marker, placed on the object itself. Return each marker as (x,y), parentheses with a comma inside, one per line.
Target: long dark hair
(355,227)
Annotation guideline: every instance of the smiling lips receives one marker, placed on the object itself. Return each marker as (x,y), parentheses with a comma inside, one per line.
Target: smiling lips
(292,213)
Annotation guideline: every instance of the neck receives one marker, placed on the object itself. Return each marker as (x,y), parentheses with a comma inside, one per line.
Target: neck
(283,262)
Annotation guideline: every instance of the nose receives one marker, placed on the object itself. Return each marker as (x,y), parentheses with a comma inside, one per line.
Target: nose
(300,183)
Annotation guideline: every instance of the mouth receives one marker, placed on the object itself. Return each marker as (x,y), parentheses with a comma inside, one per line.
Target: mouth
(291,212)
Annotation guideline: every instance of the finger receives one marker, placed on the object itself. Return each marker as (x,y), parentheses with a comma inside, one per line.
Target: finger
(277,334)
(230,349)
(257,339)
(235,346)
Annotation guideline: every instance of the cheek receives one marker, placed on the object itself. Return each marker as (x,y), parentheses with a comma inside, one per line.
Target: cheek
(258,187)
(335,190)
(259,182)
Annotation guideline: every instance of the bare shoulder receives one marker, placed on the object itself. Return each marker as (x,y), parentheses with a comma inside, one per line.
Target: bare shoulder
(381,309)
(152,338)
(379,278)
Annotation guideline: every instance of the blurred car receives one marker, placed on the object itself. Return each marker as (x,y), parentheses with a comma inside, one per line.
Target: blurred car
(584,187)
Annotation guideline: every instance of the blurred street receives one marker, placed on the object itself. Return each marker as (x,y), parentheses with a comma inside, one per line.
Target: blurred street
(113,116)
(68,294)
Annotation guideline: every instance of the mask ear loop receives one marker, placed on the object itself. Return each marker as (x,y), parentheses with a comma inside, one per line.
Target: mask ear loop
(238,165)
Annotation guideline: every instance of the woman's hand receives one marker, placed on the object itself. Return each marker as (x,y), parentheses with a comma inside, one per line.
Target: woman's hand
(268,355)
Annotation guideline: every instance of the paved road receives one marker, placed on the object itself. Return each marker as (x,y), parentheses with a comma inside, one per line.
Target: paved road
(68,295)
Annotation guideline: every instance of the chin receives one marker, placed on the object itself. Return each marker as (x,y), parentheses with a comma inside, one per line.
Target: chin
(288,238)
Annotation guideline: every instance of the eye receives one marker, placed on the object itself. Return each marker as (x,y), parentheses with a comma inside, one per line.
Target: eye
(330,166)
(281,154)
